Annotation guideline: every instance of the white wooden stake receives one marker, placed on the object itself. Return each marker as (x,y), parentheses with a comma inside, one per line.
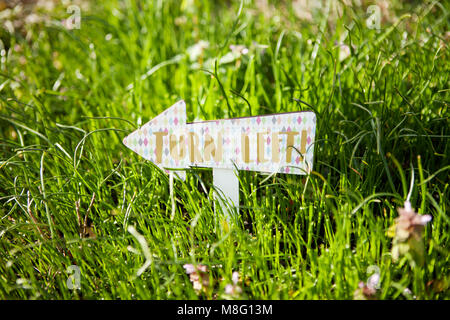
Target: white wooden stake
(172,216)
(227,183)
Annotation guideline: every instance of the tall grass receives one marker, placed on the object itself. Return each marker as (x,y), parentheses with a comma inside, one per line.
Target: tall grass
(70,190)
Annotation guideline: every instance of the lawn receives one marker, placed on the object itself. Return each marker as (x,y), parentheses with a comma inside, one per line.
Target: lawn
(84,217)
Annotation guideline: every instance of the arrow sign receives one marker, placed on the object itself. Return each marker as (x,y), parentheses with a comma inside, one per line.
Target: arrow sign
(270,143)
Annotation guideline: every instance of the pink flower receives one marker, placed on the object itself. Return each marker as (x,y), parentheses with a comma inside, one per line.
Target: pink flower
(365,292)
(409,223)
(198,275)
(233,289)
(407,233)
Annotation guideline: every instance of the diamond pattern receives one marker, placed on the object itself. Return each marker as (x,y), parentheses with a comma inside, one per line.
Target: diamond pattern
(172,122)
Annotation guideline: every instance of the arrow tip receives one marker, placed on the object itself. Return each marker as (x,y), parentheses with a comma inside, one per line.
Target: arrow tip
(124,141)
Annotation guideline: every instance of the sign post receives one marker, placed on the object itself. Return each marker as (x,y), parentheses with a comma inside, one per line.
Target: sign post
(227,183)
(281,143)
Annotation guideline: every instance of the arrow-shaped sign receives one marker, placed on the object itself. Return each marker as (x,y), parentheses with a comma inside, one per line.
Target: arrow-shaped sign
(270,143)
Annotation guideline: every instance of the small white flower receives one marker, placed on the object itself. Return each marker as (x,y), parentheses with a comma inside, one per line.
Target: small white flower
(233,289)
(196,51)
(235,277)
(189,268)
(373,281)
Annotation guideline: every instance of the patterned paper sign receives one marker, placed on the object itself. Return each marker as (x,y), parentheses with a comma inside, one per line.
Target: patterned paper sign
(270,143)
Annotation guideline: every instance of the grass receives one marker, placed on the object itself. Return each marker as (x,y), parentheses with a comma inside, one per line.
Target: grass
(68,97)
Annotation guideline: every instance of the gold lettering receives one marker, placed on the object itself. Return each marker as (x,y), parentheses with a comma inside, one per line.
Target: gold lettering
(260,143)
(194,153)
(275,147)
(303,143)
(245,146)
(289,144)
(159,145)
(177,153)
(210,148)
